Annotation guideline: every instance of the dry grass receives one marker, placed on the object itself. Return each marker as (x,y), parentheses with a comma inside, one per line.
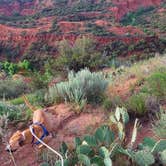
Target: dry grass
(134,75)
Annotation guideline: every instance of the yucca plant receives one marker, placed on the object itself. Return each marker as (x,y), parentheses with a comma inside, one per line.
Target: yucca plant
(81,87)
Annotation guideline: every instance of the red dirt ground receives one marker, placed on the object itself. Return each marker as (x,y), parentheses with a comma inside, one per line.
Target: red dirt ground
(69,125)
(123,90)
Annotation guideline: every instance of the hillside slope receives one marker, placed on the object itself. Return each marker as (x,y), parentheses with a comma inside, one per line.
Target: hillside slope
(25,22)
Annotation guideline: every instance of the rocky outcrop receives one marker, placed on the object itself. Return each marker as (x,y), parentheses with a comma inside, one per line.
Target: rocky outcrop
(122,7)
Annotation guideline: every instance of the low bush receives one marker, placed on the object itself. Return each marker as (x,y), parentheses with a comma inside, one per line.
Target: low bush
(40,80)
(13,112)
(81,87)
(12,88)
(136,104)
(159,125)
(36,98)
(78,56)
(12,68)
(156,85)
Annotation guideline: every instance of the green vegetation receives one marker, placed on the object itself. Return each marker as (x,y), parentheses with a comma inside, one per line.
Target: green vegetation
(136,104)
(14,113)
(42,52)
(159,124)
(156,85)
(78,56)
(12,68)
(104,147)
(131,17)
(80,88)
(9,51)
(12,88)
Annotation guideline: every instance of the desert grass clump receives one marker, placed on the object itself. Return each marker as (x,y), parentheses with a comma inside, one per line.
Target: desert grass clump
(12,88)
(14,112)
(156,85)
(136,104)
(159,124)
(83,86)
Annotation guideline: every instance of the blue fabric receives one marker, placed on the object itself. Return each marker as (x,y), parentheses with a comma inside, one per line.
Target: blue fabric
(45,133)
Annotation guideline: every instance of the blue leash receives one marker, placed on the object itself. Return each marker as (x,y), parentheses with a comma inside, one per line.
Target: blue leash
(45,133)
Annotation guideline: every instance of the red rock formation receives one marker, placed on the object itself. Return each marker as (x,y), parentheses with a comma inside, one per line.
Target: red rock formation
(122,7)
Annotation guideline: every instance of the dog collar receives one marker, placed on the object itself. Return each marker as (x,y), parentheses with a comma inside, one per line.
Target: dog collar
(45,133)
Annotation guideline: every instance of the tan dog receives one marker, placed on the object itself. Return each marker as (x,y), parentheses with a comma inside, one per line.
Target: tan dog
(25,137)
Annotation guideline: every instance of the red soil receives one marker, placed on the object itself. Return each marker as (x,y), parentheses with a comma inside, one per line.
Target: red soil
(66,26)
(68,126)
(122,89)
(126,30)
(101,23)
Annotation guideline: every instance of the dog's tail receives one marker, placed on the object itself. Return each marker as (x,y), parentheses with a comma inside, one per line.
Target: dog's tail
(31,107)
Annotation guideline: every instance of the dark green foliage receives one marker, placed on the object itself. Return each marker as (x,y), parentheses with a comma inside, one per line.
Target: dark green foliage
(9,68)
(12,68)
(131,17)
(98,30)
(81,55)
(107,103)
(38,53)
(40,80)
(136,104)
(9,52)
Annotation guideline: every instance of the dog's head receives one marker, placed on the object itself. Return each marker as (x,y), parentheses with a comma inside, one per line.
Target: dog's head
(15,142)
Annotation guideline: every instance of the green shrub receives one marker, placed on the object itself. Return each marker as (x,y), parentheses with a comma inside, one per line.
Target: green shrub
(78,56)
(136,104)
(159,124)
(10,68)
(107,104)
(91,150)
(13,112)
(156,85)
(40,80)
(24,65)
(34,98)
(80,87)
(12,88)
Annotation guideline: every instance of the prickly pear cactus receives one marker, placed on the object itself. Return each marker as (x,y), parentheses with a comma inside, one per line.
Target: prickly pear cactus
(163,157)
(143,158)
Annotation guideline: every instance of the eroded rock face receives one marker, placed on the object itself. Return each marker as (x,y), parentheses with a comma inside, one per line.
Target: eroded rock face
(122,7)
(29,7)
(23,38)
